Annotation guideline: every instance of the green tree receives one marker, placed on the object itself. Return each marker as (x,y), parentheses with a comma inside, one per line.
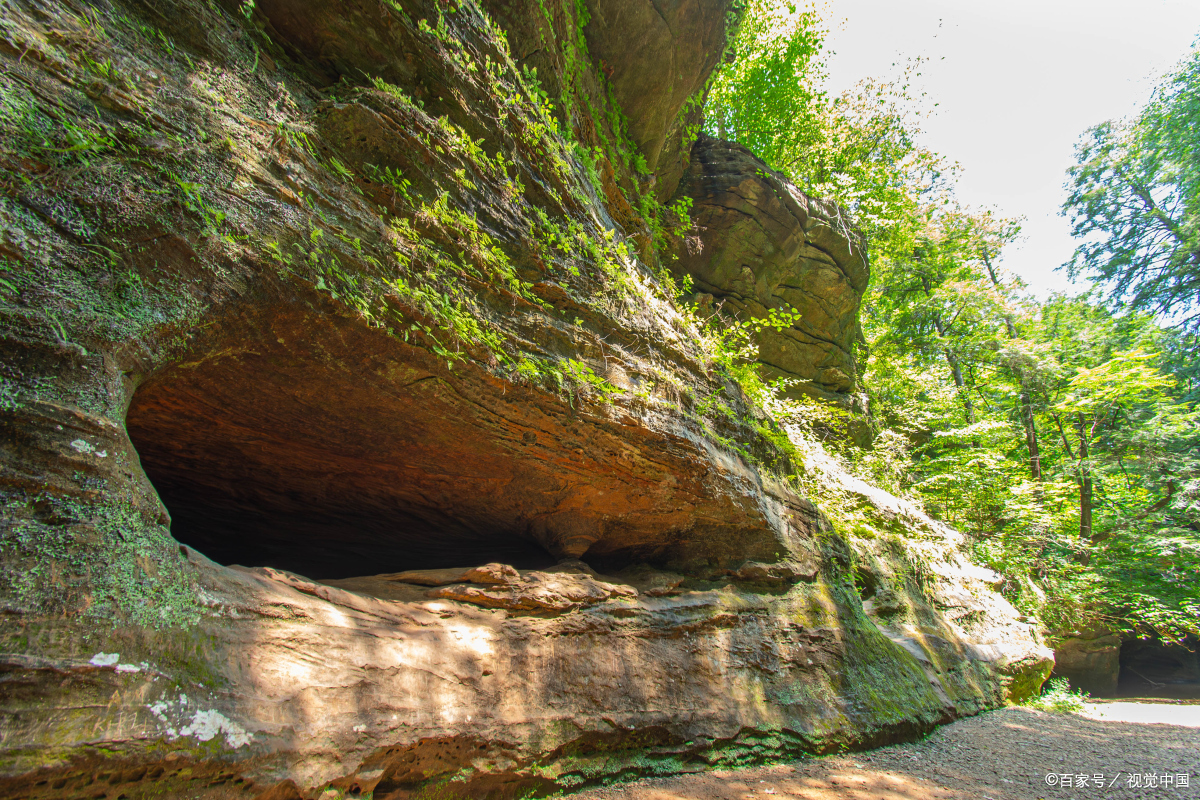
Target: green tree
(1134,202)
(941,296)
(1095,401)
(859,149)
(767,98)
(1119,482)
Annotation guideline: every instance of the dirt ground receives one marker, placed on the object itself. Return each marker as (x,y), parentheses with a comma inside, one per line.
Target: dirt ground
(1002,755)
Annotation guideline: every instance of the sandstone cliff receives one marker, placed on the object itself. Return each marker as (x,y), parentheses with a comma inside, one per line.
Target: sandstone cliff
(759,244)
(311,307)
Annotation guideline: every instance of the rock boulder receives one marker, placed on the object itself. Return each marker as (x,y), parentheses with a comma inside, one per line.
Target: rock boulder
(759,243)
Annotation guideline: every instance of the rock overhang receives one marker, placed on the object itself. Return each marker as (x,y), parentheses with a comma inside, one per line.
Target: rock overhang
(261,368)
(308,443)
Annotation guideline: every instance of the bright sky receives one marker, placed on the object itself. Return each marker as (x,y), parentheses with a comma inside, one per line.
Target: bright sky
(1017,82)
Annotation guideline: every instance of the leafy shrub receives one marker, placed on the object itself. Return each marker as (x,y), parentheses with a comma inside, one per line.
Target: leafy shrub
(1058,696)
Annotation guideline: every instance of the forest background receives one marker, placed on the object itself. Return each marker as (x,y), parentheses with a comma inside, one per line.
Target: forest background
(1060,435)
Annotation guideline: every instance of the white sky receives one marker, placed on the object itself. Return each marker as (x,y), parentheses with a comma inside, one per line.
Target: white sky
(1017,82)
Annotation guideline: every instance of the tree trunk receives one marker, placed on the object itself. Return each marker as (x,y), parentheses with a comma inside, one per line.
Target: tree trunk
(1031,440)
(1085,484)
(955,369)
(956,372)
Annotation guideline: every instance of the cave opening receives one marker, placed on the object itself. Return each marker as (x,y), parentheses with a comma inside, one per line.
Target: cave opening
(1154,668)
(265,462)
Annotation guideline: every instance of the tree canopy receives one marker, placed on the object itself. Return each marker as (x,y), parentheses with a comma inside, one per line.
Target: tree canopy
(1059,434)
(1134,203)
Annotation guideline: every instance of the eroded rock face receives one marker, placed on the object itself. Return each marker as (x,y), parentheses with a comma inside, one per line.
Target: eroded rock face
(324,293)
(384,462)
(337,685)
(759,243)
(1091,661)
(658,57)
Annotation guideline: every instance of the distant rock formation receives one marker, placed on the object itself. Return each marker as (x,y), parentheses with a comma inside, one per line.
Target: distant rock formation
(759,243)
(1090,660)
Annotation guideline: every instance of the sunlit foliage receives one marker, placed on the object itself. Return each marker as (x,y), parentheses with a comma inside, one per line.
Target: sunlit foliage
(1060,435)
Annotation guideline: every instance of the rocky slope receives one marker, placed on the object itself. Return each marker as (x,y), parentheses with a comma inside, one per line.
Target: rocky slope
(343,291)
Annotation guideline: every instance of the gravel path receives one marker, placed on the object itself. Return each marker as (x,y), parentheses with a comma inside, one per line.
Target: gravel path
(1002,755)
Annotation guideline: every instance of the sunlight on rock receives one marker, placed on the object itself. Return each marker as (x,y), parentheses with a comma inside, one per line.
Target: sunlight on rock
(500,398)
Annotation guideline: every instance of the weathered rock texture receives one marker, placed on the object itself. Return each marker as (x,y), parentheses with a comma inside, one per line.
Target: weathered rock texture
(760,244)
(1091,661)
(657,58)
(325,288)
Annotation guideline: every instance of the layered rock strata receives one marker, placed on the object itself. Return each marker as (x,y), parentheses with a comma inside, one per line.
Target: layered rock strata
(329,290)
(759,244)
(1090,660)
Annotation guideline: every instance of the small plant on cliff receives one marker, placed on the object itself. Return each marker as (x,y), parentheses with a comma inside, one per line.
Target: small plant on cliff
(1057,695)
(584,380)
(733,344)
